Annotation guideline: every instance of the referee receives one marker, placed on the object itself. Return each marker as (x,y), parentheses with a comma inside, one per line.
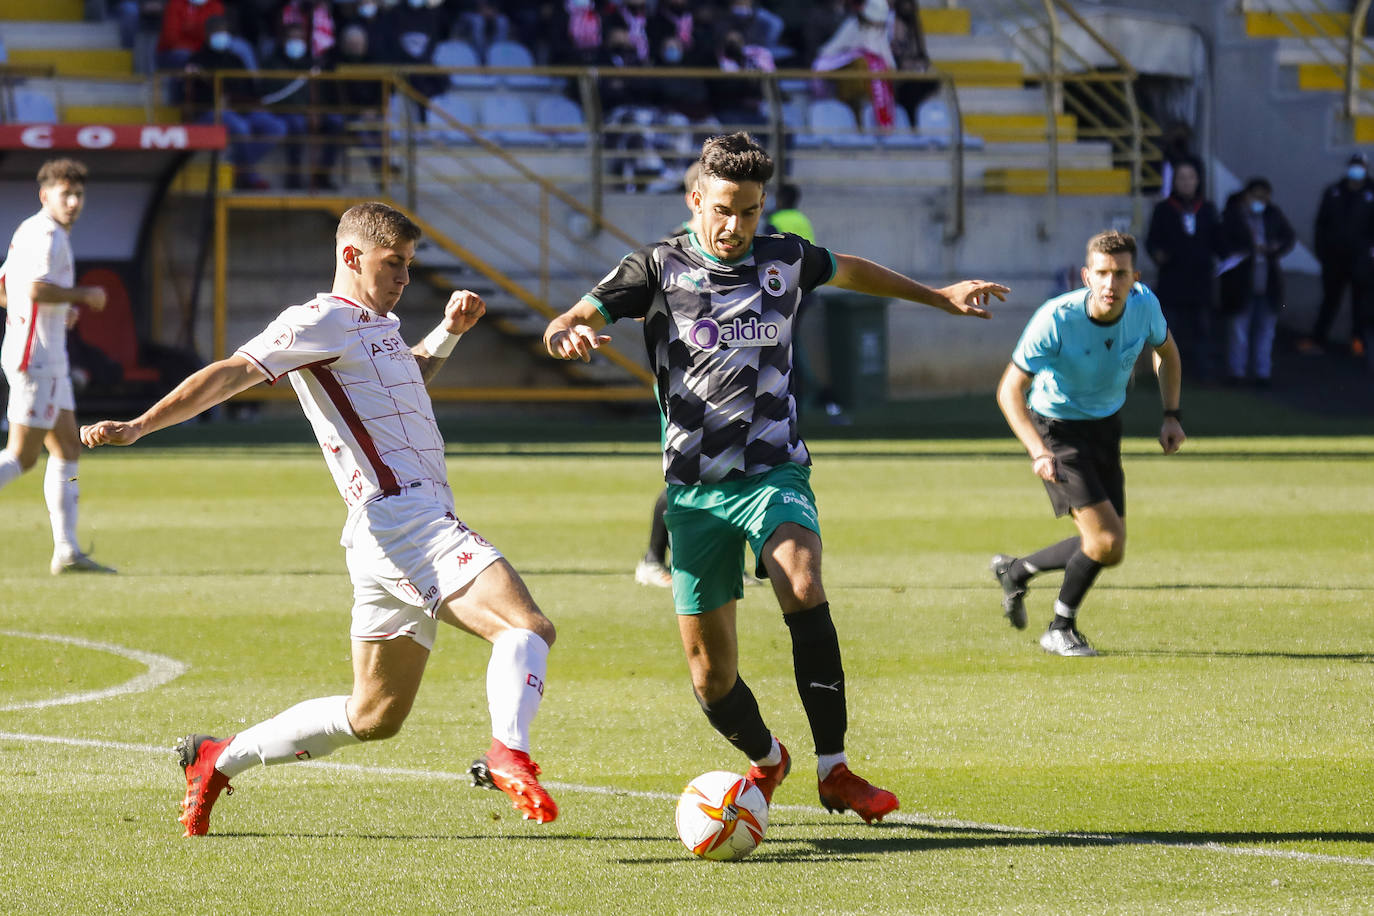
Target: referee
(1061,394)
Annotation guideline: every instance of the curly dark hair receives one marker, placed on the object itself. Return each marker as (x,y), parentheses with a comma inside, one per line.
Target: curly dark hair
(736,157)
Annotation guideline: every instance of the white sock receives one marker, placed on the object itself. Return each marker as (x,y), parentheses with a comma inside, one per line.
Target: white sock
(306,731)
(1063,610)
(827,762)
(774,756)
(10,468)
(61,491)
(515,685)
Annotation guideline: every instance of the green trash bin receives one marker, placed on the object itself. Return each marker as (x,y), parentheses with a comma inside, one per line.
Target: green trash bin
(856,341)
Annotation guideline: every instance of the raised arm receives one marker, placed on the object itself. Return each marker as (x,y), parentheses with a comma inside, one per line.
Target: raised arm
(198,392)
(460,314)
(1169,368)
(964,298)
(572,335)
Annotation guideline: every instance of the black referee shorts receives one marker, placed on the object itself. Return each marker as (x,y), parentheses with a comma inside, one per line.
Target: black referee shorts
(1087,458)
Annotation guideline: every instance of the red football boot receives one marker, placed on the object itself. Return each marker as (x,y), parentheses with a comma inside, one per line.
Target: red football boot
(514,773)
(769,778)
(843,791)
(197,755)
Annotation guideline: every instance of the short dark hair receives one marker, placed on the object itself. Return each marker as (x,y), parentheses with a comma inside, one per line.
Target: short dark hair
(1258,182)
(736,157)
(1113,242)
(377,224)
(56,171)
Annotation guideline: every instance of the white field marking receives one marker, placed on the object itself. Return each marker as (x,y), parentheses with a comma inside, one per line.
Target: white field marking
(161,669)
(915,820)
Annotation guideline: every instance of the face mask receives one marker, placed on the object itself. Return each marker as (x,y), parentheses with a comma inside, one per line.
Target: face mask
(294,48)
(1257,206)
(1355,173)
(367,10)
(417,4)
(219,41)
(672,54)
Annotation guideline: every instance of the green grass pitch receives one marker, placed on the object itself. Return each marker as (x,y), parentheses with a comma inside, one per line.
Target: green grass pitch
(1216,758)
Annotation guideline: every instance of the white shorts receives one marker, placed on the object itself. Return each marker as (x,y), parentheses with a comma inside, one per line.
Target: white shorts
(406,554)
(36,400)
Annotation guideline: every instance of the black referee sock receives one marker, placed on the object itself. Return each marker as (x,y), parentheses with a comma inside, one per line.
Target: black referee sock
(1079,574)
(820,676)
(736,716)
(1055,556)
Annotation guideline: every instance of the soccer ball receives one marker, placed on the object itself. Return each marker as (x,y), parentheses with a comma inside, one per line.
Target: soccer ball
(721,816)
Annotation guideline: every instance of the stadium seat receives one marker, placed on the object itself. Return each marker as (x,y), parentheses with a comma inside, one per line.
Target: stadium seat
(833,124)
(456,53)
(562,118)
(514,54)
(900,136)
(33,107)
(111,329)
(461,109)
(934,122)
(506,120)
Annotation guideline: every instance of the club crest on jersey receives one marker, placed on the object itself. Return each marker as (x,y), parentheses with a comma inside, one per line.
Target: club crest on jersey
(773,280)
(284,337)
(710,335)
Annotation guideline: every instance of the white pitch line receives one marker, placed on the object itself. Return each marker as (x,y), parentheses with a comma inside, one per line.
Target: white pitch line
(161,669)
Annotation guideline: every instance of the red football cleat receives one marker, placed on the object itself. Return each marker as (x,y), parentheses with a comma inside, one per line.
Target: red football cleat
(769,778)
(197,755)
(843,791)
(514,773)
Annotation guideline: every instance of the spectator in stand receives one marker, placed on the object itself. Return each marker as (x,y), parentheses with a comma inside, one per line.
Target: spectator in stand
(359,100)
(675,19)
(482,26)
(541,26)
(584,32)
(740,102)
(683,94)
(296,101)
(252,130)
(380,24)
(633,17)
(909,51)
(863,42)
(418,28)
(1342,242)
(183,30)
(823,18)
(758,26)
(1183,240)
(318,21)
(1254,231)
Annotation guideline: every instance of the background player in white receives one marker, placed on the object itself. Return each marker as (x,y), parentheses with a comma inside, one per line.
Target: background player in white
(39,279)
(412,561)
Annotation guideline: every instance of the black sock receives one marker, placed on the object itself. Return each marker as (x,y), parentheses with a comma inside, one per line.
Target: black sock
(1079,574)
(658,532)
(1062,623)
(820,676)
(1055,556)
(736,716)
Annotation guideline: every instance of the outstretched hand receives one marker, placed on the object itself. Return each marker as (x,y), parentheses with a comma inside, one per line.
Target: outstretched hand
(462,311)
(969,296)
(576,342)
(109,432)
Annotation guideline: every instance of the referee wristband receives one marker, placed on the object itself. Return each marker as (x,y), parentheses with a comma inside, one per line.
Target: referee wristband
(1175,413)
(440,343)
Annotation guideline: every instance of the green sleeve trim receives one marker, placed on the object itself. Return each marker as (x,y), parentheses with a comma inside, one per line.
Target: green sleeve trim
(599,307)
(834,267)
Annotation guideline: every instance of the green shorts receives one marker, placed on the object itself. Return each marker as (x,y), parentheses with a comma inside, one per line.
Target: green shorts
(708,525)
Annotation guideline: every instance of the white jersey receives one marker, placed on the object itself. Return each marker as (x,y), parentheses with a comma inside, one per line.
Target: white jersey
(362,391)
(36,333)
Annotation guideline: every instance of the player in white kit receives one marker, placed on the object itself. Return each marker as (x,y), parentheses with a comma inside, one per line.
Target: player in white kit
(411,560)
(38,278)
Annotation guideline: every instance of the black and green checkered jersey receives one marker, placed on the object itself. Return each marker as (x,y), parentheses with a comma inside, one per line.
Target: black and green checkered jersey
(719,338)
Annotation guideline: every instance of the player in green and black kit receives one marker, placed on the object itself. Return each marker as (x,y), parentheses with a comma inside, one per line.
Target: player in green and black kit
(719,306)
